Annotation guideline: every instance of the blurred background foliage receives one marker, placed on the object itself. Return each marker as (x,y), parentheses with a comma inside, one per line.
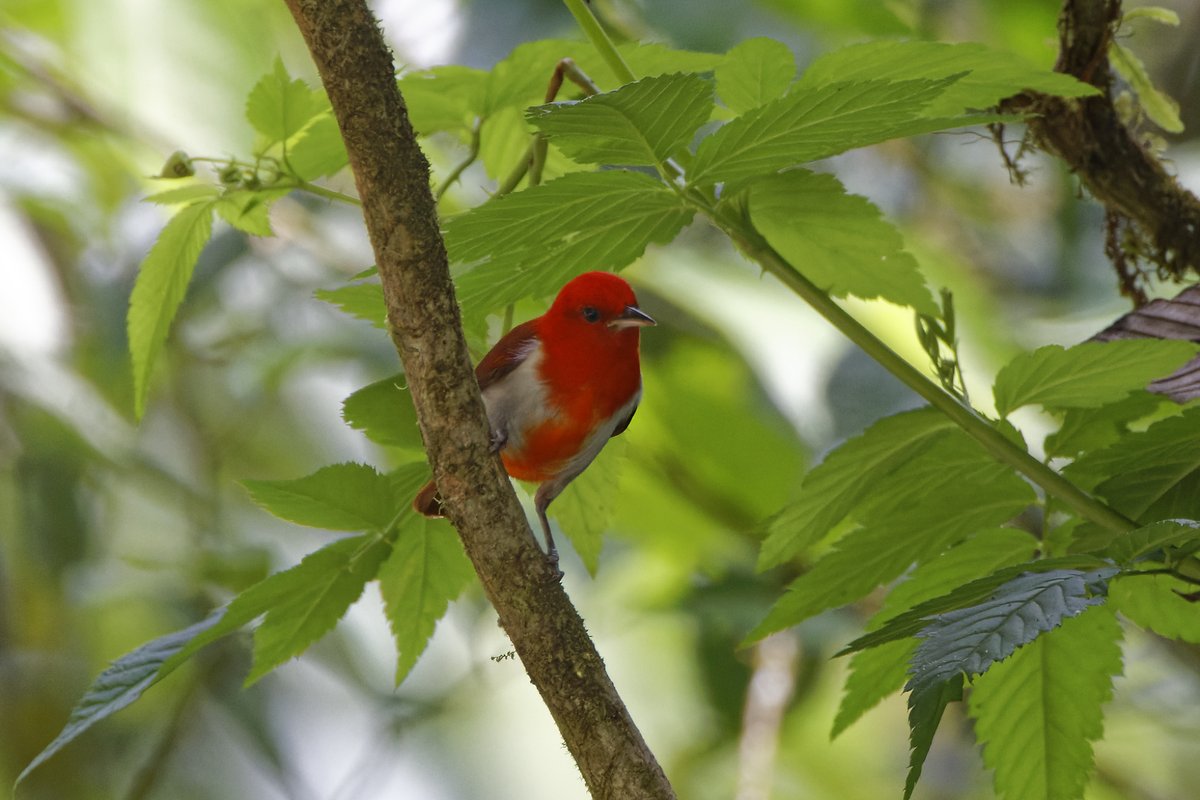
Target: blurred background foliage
(113,533)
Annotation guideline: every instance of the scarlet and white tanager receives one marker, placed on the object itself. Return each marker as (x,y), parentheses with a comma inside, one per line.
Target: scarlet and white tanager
(558,387)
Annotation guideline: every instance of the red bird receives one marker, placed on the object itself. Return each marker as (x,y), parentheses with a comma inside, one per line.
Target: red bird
(558,387)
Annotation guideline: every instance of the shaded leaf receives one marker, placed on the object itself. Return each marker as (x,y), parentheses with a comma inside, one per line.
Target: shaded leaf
(755,72)
(1160,107)
(925,709)
(361,300)
(161,285)
(1037,713)
(384,412)
(1137,545)
(1088,375)
(837,240)
(321,589)
(425,571)
(641,123)
(319,151)
(1085,429)
(347,497)
(184,194)
(443,98)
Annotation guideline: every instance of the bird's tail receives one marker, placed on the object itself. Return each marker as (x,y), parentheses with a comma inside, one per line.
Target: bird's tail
(428,502)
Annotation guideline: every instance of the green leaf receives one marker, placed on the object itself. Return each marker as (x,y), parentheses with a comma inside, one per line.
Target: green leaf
(322,588)
(426,570)
(925,709)
(876,673)
(121,684)
(755,72)
(810,124)
(279,107)
(1163,16)
(950,491)
(1160,107)
(838,240)
(641,124)
(384,412)
(1037,713)
(969,640)
(834,488)
(361,300)
(991,75)
(1137,545)
(1088,375)
(444,98)
(532,242)
(585,508)
(184,194)
(345,497)
(911,622)
(161,285)
(1149,475)
(319,151)
(1086,429)
(249,211)
(1153,602)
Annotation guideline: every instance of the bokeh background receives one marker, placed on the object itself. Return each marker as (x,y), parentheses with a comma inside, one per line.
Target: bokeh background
(113,532)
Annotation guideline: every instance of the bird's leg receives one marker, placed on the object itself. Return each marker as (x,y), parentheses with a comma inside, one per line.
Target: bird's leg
(540,502)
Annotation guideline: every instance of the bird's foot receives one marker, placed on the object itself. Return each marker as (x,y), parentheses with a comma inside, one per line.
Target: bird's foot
(552,560)
(499,439)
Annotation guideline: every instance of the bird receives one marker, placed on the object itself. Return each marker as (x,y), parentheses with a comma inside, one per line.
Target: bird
(558,387)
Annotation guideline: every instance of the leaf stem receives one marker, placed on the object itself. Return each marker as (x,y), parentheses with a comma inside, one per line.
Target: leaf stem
(456,173)
(599,39)
(321,191)
(992,440)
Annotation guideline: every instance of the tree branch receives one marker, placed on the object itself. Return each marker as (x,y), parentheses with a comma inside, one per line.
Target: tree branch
(1162,218)
(392,176)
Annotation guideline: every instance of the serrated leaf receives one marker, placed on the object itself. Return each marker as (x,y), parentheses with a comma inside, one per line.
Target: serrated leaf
(279,107)
(969,640)
(839,241)
(531,242)
(322,588)
(1153,602)
(1137,545)
(1088,375)
(443,98)
(876,673)
(161,285)
(834,487)
(952,490)
(361,300)
(1086,429)
(640,124)
(585,508)
(319,151)
(1159,107)
(384,412)
(249,211)
(991,75)
(979,591)
(426,570)
(755,72)
(925,709)
(184,194)
(345,497)
(1037,713)
(810,124)
(1148,475)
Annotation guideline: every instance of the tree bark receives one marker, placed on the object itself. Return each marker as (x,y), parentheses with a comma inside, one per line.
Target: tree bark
(392,176)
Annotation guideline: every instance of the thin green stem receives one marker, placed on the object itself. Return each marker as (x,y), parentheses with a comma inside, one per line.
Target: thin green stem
(599,39)
(321,191)
(456,173)
(965,417)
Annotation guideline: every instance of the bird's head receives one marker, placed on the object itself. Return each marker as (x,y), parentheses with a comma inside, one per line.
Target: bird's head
(600,305)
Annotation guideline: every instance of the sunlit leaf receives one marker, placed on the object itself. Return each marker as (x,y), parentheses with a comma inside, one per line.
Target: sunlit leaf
(384,412)
(361,300)
(1085,429)
(754,72)
(425,571)
(279,107)
(249,211)
(1160,107)
(1154,603)
(347,497)
(642,123)
(585,508)
(1088,375)
(443,98)
(925,709)
(319,151)
(161,284)
(837,240)
(1037,713)
(320,589)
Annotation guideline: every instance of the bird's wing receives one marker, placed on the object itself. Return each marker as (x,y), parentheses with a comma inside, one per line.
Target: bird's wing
(507,354)
(623,424)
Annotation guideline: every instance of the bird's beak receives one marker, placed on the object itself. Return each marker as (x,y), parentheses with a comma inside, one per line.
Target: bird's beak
(632,317)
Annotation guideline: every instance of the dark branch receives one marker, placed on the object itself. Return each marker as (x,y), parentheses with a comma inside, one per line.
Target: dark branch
(393,181)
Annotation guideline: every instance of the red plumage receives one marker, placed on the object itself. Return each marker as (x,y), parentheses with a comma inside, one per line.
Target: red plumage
(559,386)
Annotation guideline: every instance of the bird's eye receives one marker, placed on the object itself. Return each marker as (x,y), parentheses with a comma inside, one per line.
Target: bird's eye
(591,314)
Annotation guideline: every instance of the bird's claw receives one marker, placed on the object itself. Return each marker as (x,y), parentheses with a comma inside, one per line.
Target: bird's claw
(499,439)
(552,560)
